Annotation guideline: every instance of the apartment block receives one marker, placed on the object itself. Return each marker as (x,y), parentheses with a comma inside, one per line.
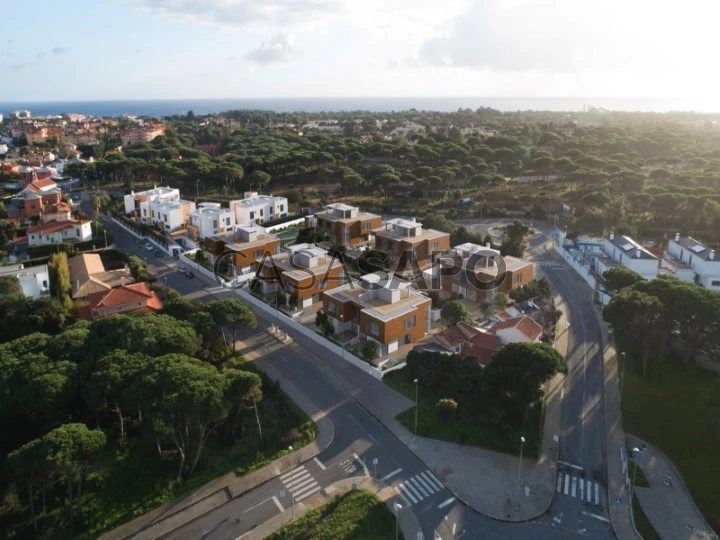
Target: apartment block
(249,243)
(345,225)
(410,245)
(304,271)
(136,204)
(254,208)
(209,219)
(701,264)
(170,215)
(390,314)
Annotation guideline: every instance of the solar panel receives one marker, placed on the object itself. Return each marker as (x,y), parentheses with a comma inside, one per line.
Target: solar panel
(627,246)
(698,248)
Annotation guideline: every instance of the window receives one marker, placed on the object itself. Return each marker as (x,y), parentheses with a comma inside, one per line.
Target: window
(372,327)
(366,226)
(144,212)
(262,212)
(518,278)
(77,231)
(282,207)
(434,246)
(153,213)
(332,307)
(227,221)
(410,322)
(165,217)
(258,253)
(214,224)
(252,215)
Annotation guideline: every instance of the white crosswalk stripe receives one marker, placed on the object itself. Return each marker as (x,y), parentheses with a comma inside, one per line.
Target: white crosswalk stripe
(419,487)
(579,488)
(300,483)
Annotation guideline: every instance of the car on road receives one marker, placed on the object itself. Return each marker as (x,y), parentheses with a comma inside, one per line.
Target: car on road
(159,254)
(190,275)
(181,268)
(149,246)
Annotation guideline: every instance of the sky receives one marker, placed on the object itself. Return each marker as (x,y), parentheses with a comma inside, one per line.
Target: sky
(166,49)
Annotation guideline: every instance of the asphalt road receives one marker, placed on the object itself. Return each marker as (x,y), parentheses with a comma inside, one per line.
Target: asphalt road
(360,438)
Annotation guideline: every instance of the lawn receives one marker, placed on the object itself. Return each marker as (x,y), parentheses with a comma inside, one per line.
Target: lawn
(465,429)
(357,515)
(637,473)
(642,523)
(677,409)
(133,480)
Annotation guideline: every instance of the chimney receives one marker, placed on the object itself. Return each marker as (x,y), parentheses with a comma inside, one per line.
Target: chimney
(677,236)
(712,255)
(487,245)
(612,236)
(637,253)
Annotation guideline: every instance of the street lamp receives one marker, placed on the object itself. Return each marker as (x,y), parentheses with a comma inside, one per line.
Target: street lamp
(632,486)
(292,475)
(416,405)
(342,329)
(522,442)
(622,372)
(397,507)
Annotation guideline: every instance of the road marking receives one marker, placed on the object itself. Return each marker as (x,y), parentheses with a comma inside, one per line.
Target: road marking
(597,493)
(258,504)
(373,438)
(424,484)
(562,392)
(445,503)
(277,503)
(367,473)
(601,518)
(389,476)
(453,528)
(417,486)
(302,484)
(295,479)
(574,485)
(432,480)
(316,460)
(432,476)
(567,484)
(406,494)
(311,492)
(571,465)
(558,518)
(303,490)
(412,489)
(353,419)
(559,483)
(294,471)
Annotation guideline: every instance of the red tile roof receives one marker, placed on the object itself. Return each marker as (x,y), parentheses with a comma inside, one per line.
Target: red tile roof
(524,324)
(38,185)
(57,208)
(55,226)
(481,347)
(122,296)
(456,335)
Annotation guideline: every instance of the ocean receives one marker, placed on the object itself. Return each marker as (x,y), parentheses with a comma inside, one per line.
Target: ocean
(167,107)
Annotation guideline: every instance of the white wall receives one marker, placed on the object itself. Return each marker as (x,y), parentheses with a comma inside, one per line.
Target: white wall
(583,271)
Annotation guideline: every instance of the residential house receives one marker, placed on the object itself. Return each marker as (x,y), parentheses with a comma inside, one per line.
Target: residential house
(31,200)
(88,276)
(703,262)
(250,244)
(345,225)
(467,340)
(303,271)
(477,273)
(627,252)
(56,212)
(519,329)
(209,219)
(412,247)
(135,298)
(57,232)
(170,215)
(136,204)
(254,208)
(390,314)
(34,280)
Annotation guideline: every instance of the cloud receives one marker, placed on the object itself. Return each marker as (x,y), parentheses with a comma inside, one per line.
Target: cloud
(42,54)
(278,49)
(59,50)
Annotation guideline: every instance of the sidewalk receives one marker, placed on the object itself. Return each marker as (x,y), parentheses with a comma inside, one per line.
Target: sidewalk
(408,521)
(184,509)
(667,502)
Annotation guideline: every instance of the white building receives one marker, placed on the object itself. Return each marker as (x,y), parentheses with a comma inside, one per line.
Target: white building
(169,215)
(258,209)
(135,202)
(3,147)
(34,280)
(703,261)
(628,253)
(209,219)
(57,232)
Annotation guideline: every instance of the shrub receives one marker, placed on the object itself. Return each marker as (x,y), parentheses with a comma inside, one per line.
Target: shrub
(369,351)
(446,408)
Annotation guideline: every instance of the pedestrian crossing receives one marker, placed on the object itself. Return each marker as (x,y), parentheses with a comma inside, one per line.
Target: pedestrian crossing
(580,488)
(419,487)
(547,263)
(300,483)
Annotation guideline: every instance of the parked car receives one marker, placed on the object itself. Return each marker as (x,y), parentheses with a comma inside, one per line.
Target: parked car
(149,246)
(159,254)
(190,275)
(181,268)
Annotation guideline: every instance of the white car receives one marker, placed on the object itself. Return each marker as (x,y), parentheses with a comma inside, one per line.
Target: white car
(149,246)
(181,269)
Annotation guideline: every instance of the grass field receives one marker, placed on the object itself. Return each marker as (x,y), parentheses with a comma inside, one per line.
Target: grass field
(465,429)
(357,515)
(637,473)
(642,523)
(676,408)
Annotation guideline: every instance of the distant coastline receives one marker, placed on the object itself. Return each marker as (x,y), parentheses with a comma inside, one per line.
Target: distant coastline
(167,107)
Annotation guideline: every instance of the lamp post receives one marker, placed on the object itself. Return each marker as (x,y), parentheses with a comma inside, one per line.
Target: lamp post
(622,372)
(632,486)
(197,188)
(342,329)
(292,475)
(416,405)
(522,442)
(397,507)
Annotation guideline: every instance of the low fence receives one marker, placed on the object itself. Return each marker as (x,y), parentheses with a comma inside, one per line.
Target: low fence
(582,271)
(290,223)
(313,336)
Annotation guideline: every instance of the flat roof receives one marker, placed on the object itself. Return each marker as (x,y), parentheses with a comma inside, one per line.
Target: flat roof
(282,262)
(376,307)
(257,199)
